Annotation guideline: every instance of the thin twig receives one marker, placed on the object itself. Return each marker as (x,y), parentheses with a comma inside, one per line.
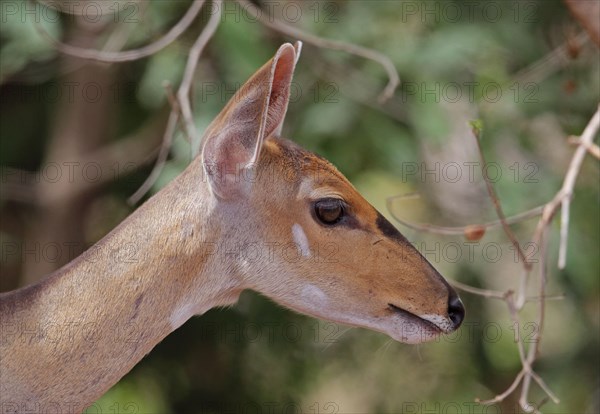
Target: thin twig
(496,294)
(592,148)
(119,36)
(160,161)
(282,27)
(175,107)
(534,348)
(550,63)
(460,230)
(181,107)
(496,202)
(501,397)
(183,94)
(362,88)
(128,55)
(569,183)
(486,293)
(515,318)
(545,387)
(540,238)
(562,296)
(165,147)
(171,96)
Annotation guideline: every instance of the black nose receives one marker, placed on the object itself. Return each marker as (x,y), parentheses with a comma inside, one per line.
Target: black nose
(456,310)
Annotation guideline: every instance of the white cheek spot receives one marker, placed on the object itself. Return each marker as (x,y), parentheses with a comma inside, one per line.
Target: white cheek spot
(300,240)
(314,295)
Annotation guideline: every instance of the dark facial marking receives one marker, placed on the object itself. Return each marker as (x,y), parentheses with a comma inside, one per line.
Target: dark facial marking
(389,230)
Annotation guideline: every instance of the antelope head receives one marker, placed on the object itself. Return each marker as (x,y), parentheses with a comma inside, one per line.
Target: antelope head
(326,252)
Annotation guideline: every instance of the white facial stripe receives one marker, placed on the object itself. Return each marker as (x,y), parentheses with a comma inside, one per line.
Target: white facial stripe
(300,240)
(306,186)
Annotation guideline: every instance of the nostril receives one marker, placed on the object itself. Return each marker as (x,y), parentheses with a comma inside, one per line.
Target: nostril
(456,310)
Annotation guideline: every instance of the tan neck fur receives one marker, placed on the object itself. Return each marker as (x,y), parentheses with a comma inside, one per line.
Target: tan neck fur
(102,313)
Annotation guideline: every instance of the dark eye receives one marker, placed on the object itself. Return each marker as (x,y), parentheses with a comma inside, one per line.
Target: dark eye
(329,210)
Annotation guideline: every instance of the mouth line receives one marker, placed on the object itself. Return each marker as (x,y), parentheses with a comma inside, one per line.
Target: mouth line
(412,317)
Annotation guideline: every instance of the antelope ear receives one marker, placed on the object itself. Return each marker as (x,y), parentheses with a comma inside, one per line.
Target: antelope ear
(233,141)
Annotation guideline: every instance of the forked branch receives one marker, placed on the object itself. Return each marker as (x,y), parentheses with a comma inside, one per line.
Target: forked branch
(514,303)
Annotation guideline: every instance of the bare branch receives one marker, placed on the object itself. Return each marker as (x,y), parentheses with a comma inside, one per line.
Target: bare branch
(534,348)
(119,36)
(486,293)
(562,198)
(501,397)
(183,94)
(545,387)
(128,55)
(181,107)
(160,160)
(592,148)
(515,317)
(566,192)
(457,231)
(282,27)
(552,297)
(550,63)
(540,238)
(497,205)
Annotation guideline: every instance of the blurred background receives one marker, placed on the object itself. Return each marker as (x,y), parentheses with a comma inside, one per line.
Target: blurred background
(78,138)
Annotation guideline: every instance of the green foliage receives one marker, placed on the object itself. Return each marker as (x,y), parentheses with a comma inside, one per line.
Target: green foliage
(21,43)
(218,362)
